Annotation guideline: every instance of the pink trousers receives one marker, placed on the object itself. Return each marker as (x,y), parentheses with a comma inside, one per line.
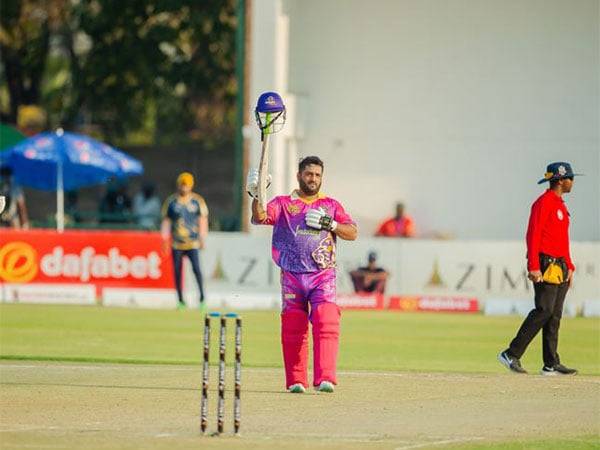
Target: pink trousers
(309,297)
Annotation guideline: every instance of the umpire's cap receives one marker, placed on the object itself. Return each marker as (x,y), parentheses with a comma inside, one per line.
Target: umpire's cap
(558,171)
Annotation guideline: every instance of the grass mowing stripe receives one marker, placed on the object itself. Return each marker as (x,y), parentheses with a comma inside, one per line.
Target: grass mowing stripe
(376,341)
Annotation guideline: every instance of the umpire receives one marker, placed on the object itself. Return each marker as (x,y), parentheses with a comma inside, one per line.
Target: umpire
(550,269)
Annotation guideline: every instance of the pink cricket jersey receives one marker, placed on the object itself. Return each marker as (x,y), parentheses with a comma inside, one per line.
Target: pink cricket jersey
(296,247)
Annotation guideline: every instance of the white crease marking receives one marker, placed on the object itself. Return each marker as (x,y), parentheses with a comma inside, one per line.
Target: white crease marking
(444,442)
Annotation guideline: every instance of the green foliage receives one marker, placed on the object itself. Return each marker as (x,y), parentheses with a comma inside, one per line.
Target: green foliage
(157,67)
(370,340)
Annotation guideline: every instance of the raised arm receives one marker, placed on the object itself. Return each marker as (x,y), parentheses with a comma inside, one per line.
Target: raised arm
(259,215)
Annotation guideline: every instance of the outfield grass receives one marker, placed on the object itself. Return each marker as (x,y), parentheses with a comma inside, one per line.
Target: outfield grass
(408,381)
(377,341)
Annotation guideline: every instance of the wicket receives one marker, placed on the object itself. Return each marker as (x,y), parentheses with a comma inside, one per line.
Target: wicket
(221,387)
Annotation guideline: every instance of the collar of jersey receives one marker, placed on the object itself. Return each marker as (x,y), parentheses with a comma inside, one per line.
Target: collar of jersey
(295,196)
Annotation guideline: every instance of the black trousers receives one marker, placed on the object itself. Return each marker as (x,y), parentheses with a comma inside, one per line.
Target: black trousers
(194,257)
(549,301)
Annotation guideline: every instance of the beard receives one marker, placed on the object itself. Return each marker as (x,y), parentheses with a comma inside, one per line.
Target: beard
(312,189)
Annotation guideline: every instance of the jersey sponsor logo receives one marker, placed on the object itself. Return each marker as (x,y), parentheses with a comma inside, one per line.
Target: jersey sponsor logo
(559,214)
(306,231)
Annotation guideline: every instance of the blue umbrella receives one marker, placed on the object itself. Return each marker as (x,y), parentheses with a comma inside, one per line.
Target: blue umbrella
(62,161)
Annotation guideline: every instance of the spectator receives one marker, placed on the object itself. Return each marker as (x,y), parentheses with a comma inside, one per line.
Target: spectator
(185,222)
(72,213)
(401,225)
(15,210)
(146,207)
(371,278)
(115,207)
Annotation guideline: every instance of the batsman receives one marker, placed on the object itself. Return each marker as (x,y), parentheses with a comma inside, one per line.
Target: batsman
(306,224)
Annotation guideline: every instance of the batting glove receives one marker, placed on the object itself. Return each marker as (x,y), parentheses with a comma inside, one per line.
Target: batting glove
(320,220)
(252,183)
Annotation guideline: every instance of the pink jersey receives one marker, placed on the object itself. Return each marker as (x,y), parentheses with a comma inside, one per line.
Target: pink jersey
(297,247)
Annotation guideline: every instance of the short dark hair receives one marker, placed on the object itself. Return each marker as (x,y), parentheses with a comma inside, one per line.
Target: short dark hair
(308,161)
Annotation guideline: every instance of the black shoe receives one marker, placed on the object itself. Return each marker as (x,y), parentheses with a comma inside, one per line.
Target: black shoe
(510,362)
(564,370)
(548,371)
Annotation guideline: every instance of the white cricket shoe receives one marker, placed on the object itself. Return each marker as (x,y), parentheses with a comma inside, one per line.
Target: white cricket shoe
(297,389)
(325,386)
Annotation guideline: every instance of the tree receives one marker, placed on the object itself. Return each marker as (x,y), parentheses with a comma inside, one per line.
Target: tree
(162,66)
(25,29)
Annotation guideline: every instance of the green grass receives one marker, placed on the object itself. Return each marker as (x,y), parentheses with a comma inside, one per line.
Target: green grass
(579,443)
(381,341)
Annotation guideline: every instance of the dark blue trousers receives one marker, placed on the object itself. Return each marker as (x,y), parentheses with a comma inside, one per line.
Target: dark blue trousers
(193,256)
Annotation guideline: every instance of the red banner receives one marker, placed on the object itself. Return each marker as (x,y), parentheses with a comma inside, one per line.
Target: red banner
(360,301)
(434,303)
(102,258)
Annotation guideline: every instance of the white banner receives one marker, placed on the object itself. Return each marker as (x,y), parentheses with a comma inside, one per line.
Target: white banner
(236,264)
(71,294)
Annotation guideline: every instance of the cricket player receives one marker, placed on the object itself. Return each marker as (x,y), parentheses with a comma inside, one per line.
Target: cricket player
(185,221)
(305,227)
(550,269)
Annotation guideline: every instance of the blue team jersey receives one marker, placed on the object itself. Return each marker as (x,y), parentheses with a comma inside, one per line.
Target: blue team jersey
(184,215)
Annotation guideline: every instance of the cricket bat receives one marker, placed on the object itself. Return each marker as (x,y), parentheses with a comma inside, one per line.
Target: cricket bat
(263,168)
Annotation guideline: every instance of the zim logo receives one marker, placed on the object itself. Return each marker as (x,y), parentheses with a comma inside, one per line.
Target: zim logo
(18,262)
(559,214)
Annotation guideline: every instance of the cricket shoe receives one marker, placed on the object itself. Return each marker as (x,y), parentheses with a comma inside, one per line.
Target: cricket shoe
(181,306)
(297,389)
(510,362)
(557,369)
(325,386)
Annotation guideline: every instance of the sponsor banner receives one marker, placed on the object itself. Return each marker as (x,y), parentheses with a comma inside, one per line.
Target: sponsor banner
(244,301)
(360,301)
(99,258)
(591,308)
(139,298)
(520,307)
(166,299)
(434,304)
(71,294)
(240,263)
(500,306)
(462,268)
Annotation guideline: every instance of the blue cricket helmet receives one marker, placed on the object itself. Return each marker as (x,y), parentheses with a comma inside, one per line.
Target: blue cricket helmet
(269,102)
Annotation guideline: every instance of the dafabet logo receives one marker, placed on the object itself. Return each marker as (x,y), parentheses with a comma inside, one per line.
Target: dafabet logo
(18,262)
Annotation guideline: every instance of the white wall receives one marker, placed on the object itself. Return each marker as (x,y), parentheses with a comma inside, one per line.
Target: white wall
(236,265)
(454,107)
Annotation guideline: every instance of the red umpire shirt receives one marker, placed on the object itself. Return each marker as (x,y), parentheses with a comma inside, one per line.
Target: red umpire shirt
(548,230)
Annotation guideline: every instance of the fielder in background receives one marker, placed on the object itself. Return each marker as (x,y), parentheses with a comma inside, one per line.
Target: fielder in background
(305,226)
(185,223)
(550,269)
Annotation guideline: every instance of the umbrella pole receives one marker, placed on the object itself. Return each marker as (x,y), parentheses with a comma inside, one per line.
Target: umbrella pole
(60,200)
